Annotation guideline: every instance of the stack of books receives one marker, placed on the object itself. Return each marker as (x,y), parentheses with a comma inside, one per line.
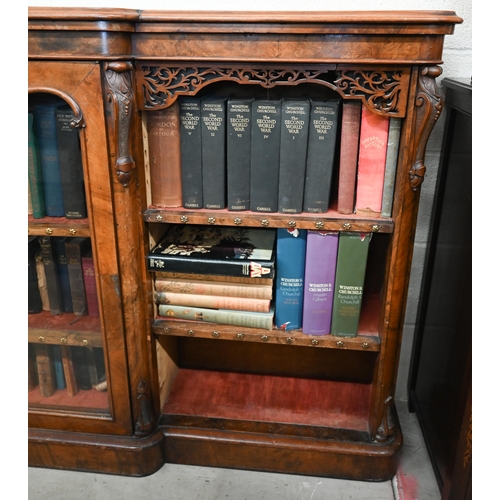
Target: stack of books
(215,274)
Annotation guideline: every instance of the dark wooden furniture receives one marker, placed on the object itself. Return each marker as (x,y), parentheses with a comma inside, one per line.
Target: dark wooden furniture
(199,393)
(440,383)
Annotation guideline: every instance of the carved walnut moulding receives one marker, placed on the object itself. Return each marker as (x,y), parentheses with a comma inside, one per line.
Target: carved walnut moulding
(382,91)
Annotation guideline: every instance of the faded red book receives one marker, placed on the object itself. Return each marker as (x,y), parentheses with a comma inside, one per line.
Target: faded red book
(165,156)
(90,285)
(349,140)
(371,161)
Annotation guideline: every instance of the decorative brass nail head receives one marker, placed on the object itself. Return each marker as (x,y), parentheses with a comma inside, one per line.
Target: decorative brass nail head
(319,225)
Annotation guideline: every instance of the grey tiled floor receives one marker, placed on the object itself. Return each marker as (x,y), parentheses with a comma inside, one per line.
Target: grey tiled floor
(414,480)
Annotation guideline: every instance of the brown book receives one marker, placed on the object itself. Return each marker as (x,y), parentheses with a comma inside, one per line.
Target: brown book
(171,275)
(45,370)
(165,156)
(349,141)
(42,282)
(75,248)
(213,301)
(69,371)
(218,288)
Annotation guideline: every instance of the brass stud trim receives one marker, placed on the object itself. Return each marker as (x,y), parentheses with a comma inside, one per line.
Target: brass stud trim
(64,340)
(85,342)
(264,222)
(166,330)
(289,340)
(215,334)
(41,339)
(365,345)
(237,221)
(291,223)
(184,219)
(159,218)
(340,343)
(346,226)
(315,342)
(375,228)
(72,232)
(320,225)
(240,336)
(48,231)
(191,333)
(211,220)
(265,338)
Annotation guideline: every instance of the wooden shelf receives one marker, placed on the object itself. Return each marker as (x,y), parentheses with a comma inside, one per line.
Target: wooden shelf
(88,400)
(331,221)
(75,330)
(58,226)
(367,339)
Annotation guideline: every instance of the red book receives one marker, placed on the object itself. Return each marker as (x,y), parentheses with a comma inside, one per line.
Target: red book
(90,285)
(349,140)
(371,161)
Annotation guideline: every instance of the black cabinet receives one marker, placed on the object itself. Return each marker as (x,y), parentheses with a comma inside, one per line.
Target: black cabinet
(440,371)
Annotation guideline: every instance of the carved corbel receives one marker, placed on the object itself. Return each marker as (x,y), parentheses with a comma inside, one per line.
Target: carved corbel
(145,421)
(120,95)
(386,428)
(428,108)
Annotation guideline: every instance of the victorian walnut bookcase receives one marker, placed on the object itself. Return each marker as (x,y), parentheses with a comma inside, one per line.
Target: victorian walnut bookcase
(217,395)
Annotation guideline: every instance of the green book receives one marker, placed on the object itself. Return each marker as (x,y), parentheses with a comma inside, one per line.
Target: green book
(349,283)
(35,173)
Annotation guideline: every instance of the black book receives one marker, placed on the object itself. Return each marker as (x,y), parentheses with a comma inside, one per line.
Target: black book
(191,167)
(215,250)
(323,132)
(81,368)
(70,163)
(51,275)
(62,270)
(34,299)
(75,248)
(213,151)
(265,155)
(239,127)
(293,152)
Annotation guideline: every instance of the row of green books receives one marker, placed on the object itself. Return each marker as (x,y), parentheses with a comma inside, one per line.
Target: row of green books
(55,173)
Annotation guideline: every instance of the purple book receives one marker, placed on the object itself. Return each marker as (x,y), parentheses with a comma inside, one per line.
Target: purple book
(319,281)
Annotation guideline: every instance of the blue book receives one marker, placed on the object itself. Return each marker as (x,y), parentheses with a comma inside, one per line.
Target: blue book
(58,367)
(290,266)
(45,130)
(62,270)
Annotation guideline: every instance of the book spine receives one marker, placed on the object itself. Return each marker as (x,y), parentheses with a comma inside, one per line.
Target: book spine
(349,147)
(70,161)
(223,317)
(69,370)
(90,286)
(35,175)
(213,301)
(165,156)
(80,364)
(391,166)
(45,370)
(265,155)
(75,247)
(34,298)
(319,281)
(238,144)
(58,367)
(191,167)
(32,368)
(241,290)
(349,283)
(268,282)
(293,154)
(42,281)
(371,161)
(323,131)
(51,275)
(290,267)
(213,152)
(45,129)
(254,269)
(62,270)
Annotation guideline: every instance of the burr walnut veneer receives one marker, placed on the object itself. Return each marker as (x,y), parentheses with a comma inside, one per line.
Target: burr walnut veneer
(218,395)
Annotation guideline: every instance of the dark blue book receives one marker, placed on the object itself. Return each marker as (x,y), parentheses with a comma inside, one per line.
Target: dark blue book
(58,367)
(62,270)
(290,266)
(46,132)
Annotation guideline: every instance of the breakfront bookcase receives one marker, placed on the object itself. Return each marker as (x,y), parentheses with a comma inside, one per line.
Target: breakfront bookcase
(208,394)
